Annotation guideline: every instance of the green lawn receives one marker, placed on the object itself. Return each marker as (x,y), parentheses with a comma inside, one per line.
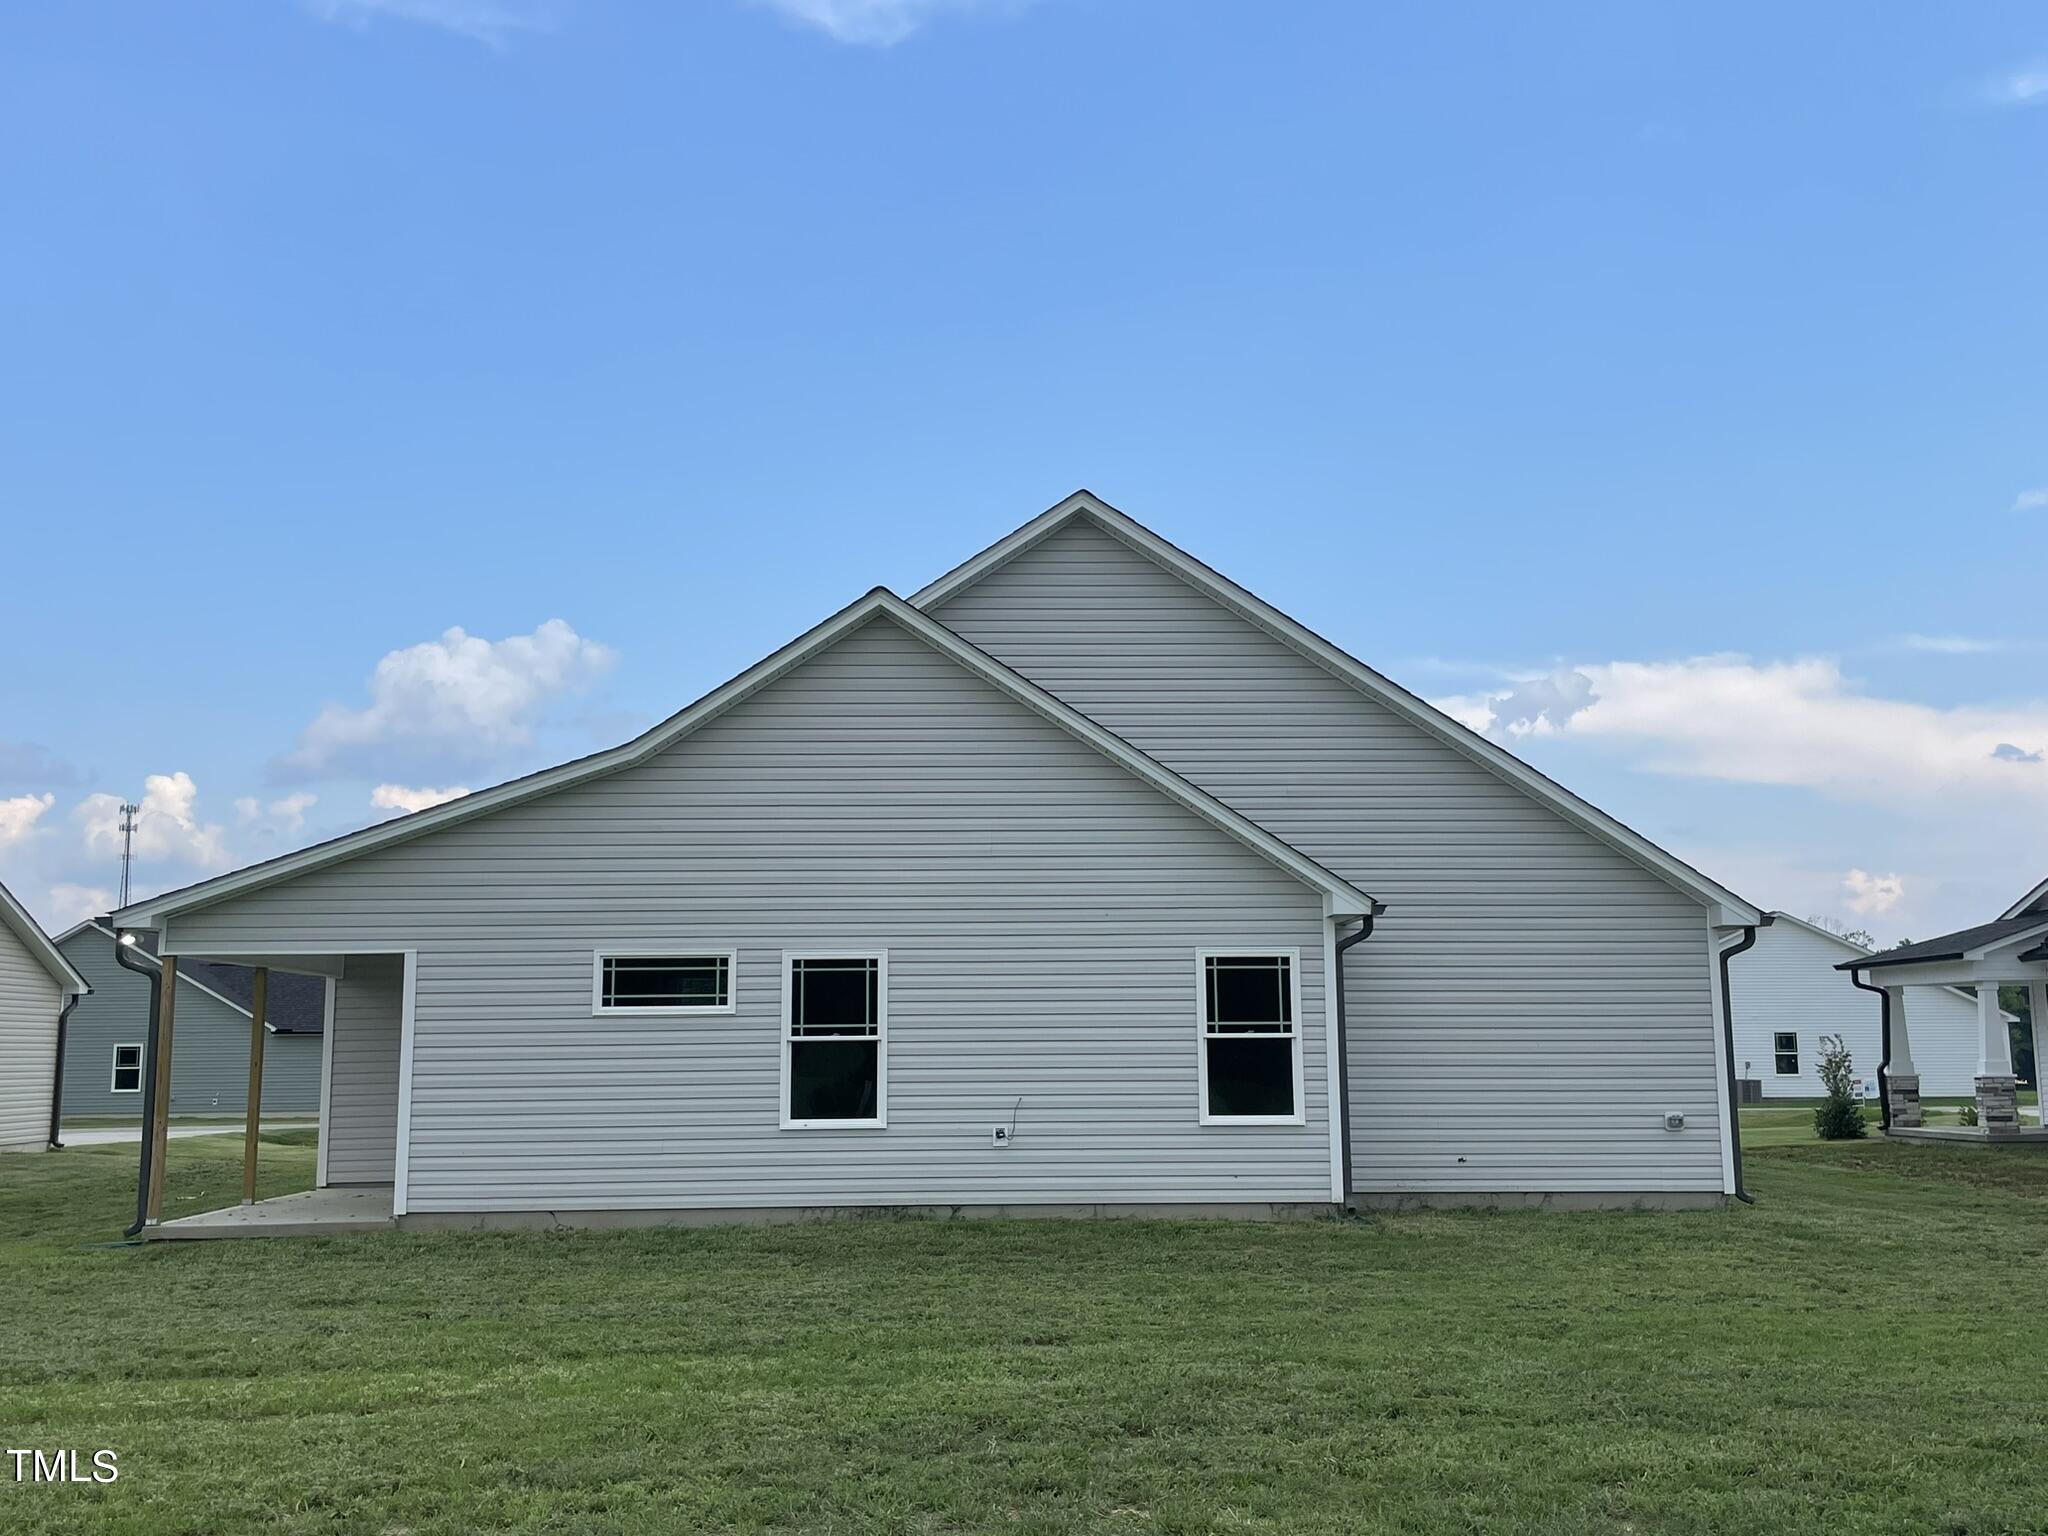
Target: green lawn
(1789,1122)
(1859,1352)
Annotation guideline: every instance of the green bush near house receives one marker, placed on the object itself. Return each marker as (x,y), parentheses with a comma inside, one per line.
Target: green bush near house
(1838,1116)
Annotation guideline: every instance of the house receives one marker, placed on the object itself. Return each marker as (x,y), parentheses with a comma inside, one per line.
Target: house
(106,1044)
(1086,880)
(38,988)
(1788,995)
(2010,950)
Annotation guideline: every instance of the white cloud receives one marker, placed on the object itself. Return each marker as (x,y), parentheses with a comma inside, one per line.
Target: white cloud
(18,817)
(2031,501)
(458,699)
(1950,645)
(1873,893)
(877,23)
(2026,86)
(286,815)
(398,797)
(73,904)
(485,21)
(166,828)
(1793,722)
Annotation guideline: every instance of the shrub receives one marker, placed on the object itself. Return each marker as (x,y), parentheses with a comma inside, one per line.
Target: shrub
(1839,1117)
(1967,1115)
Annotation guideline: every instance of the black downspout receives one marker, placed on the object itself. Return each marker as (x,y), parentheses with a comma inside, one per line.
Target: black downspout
(1342,1046)
(156,988)
(57,1078)
(1884,1049)
(1728,1048)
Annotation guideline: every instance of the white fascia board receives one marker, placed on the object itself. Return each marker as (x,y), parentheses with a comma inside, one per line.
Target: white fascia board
(2012,941)
(1726,908)
(1347,899)
(14,916)
(2035,899)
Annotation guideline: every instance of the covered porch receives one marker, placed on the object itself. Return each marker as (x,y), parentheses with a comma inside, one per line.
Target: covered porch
(359,1165)
(2012,950)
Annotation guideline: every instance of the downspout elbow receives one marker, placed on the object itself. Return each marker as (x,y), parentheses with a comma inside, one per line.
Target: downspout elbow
(1747,940)
(123,944)
(1884,1048)
(1342,1046)
(57,1073)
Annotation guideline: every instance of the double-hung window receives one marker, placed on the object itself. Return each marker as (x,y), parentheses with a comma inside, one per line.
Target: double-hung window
(127,1069)
(1250,1067)
(1785,1048)
(835,1017)
(634,982)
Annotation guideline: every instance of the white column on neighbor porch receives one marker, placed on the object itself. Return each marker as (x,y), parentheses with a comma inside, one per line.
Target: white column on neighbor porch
(1994,1045)
(2037,1010)
(1901,1063)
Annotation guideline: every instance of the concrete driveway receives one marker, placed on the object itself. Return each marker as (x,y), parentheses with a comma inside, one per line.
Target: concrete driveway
(107,1135)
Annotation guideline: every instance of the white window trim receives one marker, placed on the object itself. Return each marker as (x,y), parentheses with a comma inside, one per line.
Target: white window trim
(847,952)
(114,1070)
(599,1008)
(1293,957)
(1795,1053)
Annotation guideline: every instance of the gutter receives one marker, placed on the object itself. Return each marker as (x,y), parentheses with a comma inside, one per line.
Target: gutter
(1884,1049)
(1728,1051)
(57,1078)
(156,988)
(1342,1046)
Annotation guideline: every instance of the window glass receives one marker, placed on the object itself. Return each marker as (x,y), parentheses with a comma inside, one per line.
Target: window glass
(665,981)
(1248,1039)
(834,1040)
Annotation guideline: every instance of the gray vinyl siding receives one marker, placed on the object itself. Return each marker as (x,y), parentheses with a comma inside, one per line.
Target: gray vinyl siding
(1531,1004)
(1040,907)
(1788,982)
(361,1131)
(209,1046)
(30,1001)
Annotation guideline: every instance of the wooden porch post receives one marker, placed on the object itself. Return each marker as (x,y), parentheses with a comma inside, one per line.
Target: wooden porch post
(159,1130)
(257,1005)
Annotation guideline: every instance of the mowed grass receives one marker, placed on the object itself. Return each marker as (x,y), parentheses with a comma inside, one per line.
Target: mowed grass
(1859,1352)
(1789,1122)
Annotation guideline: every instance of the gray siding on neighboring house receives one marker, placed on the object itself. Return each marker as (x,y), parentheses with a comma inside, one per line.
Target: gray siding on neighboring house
(361,1131)
(30,1001)
(1532,1002)
(209,1046)
(1041,910)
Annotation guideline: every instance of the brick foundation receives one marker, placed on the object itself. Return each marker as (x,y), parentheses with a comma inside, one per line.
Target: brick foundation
(1998,1103)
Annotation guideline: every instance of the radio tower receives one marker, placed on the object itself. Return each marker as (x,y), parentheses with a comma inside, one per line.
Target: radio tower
(128,815)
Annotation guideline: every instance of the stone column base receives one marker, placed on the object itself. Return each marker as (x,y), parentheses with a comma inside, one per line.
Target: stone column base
(1902,1098)
(1998,1103)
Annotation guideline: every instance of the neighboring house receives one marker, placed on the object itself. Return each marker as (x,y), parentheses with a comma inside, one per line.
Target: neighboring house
(37,987)
(106,1043)
(1044,891)
(1788,994)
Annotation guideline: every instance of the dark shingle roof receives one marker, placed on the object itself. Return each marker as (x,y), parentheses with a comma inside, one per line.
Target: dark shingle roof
(1950,946)
(297,1005)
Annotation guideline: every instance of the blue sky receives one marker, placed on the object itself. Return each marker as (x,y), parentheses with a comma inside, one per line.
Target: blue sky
(1658,388)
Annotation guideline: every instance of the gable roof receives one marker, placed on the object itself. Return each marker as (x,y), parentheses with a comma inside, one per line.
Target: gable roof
(1344,899)
(1952,946)
(14,917)
(2035,900)
(294,1005)
(1729,908)
(1863,956)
